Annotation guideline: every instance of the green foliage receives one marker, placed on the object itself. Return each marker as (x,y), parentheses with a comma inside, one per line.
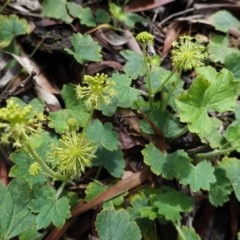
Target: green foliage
(200,176)
(219,48)
(223,20)
(113,161)
(231,63)
(103,135)
(84,48)
(112,224)
(210,91)
(84,14)
(56,9)
(232,167)
(20,170)
(48,208)
(10,27)
(220,190)
(173,165)
(188,234)
(130,19)
(75,108)
(163,121)
(125,94)
(61,145)
(134,59)
(15,216)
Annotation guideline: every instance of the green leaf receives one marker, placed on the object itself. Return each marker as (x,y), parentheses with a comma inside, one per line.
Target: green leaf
(172,203)
(113,161)
(163,121)
(49,208)
(56,9)
(173,165)
(103,135)
(219,49)
(112,224)
(32,234)
(102,16)
(74,109)
(232,134)
(162,79)
(130,19)
(189,233)
(15,216)
(125,94)
(200,176)
(84,14)
(84,48)
(220,190)
(223,20)
(21,168)
(231,63)
(134,66)
(232,168)
(10,27)
(93,190)
(210,91)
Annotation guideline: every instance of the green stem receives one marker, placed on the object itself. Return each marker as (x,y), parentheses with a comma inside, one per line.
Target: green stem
(180,232)
(164,82)
(46,169)
(89,119)
(171,92)
(183,131)
(4,5)
(216,152)
(148,75)
(60,190)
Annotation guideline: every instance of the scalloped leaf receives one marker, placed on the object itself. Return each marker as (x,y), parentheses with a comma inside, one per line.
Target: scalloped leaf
(220,190)
(112,224)
(103,135)
(15,215)
(49,209)
(223,20)
(56,9)
(74,109)
(85,15)
(200,176)
(113,161)
(85,49)
(210,91)
(10,27)
(134,59)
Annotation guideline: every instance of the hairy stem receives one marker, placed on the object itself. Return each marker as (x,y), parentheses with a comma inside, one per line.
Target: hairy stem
(46,169)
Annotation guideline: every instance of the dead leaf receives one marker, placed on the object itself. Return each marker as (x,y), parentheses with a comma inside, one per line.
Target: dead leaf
(143,5)
(94,68)
(43,88)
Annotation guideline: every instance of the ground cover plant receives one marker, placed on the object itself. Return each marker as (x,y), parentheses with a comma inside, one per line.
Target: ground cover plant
(119,120)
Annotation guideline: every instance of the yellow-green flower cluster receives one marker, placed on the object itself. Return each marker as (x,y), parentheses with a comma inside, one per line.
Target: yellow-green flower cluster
(34,169)
(145,37)
(17,122)
(73,155)
(97,90)
(188,53)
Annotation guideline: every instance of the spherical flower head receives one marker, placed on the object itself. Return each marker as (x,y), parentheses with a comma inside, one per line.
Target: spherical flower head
(74,153)
(97,90)
(145,38)
(18,121)
(188,53)
(34,169)
(73,124)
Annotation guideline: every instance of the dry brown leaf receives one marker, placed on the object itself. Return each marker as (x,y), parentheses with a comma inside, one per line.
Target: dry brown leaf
(43,88)
(143,5)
